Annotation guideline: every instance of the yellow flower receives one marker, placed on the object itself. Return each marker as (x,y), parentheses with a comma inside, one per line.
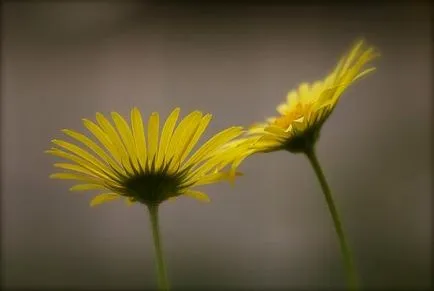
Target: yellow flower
(149,170)
(307,108)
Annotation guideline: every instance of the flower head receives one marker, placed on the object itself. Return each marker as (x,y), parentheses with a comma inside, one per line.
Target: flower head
(308,107)
(149,168)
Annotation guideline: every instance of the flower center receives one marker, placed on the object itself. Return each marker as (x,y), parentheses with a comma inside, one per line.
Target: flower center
(153,188)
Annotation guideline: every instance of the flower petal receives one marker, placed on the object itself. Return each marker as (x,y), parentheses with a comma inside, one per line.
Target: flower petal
(198,133)
(98,171)
(94,147)
(69,176)
(103,139)
(79,152)
(182,136)
(85,187)
(166,135)
(139,136)
(214,143)
(153,133)
(197,195)
(364,73)
(283,108)
(127,138)
(113,136)
(216,177)
(101,198)
(129,201)
(75,168)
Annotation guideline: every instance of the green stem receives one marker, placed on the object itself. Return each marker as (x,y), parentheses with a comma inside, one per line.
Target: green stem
(163,283)
(346,253)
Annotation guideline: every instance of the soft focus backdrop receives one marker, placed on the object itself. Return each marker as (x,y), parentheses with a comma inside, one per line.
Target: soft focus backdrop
(65,61)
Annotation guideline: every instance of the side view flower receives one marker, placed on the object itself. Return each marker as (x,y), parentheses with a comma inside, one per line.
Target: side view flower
(307,108)
(297,127)
(145,165)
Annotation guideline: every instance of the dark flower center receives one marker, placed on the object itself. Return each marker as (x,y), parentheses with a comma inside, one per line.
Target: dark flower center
(153,188)
(302,142)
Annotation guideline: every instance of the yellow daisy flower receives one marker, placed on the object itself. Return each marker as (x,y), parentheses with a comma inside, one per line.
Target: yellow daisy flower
(307,108)
(147,168)
(150,169)
(297,127)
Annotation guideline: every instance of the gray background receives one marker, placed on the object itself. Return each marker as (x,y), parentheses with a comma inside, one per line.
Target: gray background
(65,61)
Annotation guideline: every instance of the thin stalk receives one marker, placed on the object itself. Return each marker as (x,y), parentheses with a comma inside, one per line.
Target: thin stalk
(163,283)
(345,249)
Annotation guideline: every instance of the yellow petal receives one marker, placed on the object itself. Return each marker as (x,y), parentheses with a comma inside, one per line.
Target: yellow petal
(75,168)
(68,176)
(129,201)
(103,139)
(337,72)
(198,133)
(214,143)
(267,144)
(220,159)
(139,136)
(153,133)
(215,177)
(331,81)
(85,187)
(127,138)
(166,135)
(94,147)
(315,91)
(298,126)
(111,133)
(182,136)
(352,55)
(275,130)
(283,108)
(303,91)
(271,119)
(101,198)
(244,142)
(348,78)
(197,195)
(97,164)
(258,127)
(103,173)
(113,136)
(364,73)
(292,99)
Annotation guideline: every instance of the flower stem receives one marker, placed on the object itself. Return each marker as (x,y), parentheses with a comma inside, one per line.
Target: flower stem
(346,253)
(163,283)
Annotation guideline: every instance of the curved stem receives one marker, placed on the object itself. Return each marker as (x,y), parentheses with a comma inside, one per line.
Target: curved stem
(163,283)
(346,253)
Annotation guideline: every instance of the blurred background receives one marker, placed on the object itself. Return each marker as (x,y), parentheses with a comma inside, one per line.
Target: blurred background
(65,61)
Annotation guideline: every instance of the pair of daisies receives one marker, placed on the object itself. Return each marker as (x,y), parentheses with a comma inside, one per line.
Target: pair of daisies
(141,162)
